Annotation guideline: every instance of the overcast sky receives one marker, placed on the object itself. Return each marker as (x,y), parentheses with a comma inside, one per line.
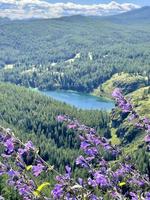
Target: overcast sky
(140,2)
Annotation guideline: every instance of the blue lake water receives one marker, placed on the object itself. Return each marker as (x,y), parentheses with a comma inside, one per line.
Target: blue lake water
(80,100)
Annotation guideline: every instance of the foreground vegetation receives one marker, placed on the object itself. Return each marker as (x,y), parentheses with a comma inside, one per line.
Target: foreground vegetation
(110,173)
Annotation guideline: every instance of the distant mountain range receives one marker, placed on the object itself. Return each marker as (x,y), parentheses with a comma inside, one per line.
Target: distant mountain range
(138,15)
(27,9)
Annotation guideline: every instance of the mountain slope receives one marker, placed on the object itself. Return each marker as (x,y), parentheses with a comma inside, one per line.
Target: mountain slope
(135,16)
(78,53)
(33,116)
(126,82)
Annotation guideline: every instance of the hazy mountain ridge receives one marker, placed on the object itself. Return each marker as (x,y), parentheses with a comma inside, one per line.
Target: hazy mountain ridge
(134,16)
(129,16)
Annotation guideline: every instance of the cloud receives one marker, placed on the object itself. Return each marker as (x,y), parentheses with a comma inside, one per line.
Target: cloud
(25,9)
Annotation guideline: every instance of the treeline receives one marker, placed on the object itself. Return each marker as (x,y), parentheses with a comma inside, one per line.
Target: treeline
(76,53)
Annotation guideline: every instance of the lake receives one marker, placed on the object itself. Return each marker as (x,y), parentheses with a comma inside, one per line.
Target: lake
(80,100)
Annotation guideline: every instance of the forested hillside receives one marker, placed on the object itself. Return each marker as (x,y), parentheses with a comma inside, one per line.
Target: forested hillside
(125,81)
(137,16)
(78,53)
(33,115)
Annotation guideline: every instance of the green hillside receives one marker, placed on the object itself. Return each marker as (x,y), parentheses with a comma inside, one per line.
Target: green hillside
(125,133)
(33,115)
(78,53)
(141,100)
(134,16)
(126,82)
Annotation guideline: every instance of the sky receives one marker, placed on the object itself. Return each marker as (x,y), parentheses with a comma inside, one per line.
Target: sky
(139,2)
(26,9)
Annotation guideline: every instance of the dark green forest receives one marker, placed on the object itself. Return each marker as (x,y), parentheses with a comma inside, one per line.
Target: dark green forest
(77,52)
(32,116)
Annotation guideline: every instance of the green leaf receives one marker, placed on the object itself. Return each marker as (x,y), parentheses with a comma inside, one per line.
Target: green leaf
(39,189)
(28,167)
(122,184)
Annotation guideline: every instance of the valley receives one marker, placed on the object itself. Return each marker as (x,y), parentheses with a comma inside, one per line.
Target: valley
(74,53)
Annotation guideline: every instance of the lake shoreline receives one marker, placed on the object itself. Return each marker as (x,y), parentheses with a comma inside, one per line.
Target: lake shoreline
(80,100)
(90,93)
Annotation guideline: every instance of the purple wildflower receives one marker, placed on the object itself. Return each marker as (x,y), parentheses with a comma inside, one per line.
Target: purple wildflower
(94,197)
(147,196)
(84,145)
(147,138)
(133,196)
(68,171)
(57,192)
(72,126)
(92,182)
(81,161)
(29,145)
(9,145)
(100,179)
(37,170)
(80,181)
(61,118)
